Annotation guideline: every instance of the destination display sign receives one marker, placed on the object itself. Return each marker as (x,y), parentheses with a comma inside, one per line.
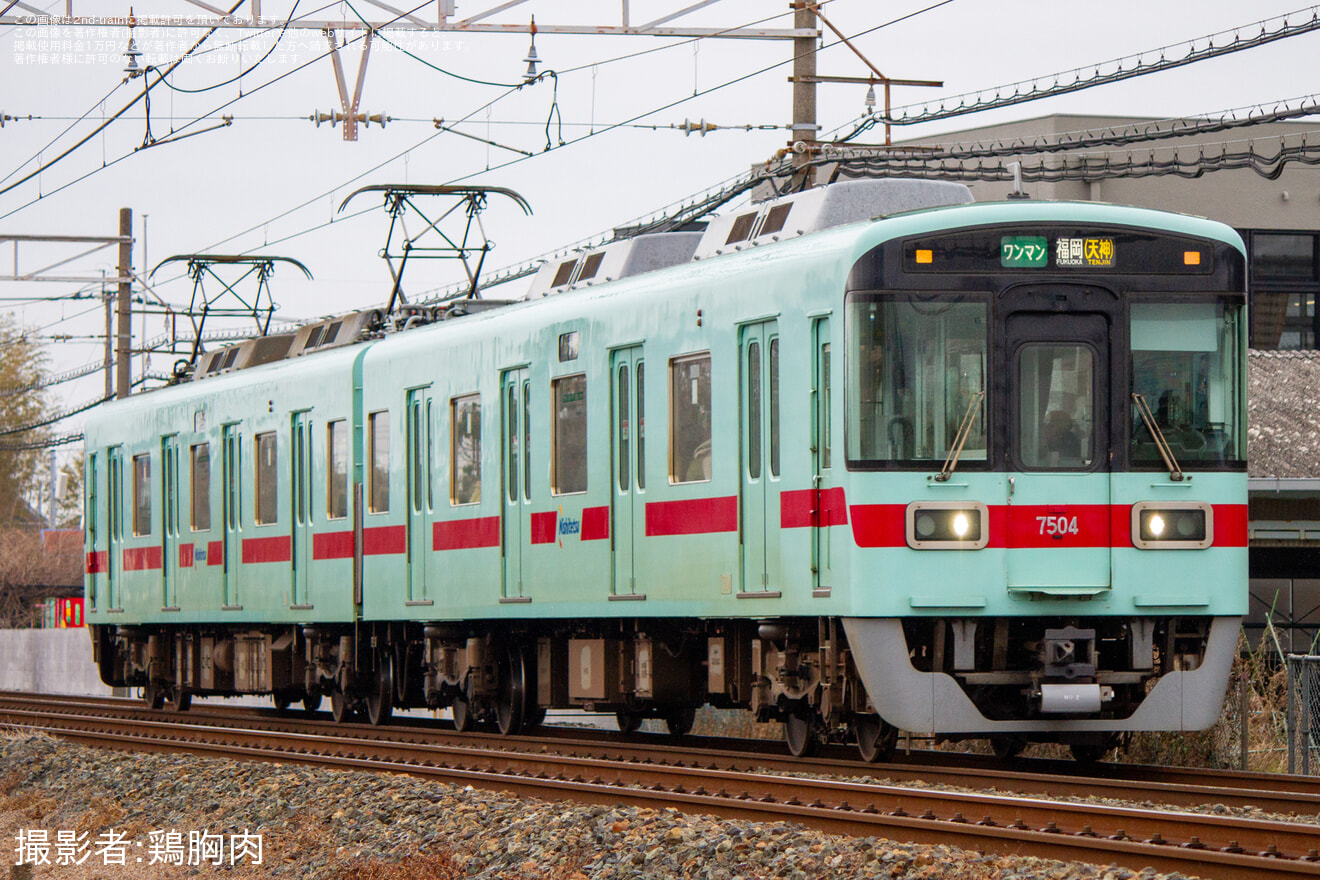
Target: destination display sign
(1061,249)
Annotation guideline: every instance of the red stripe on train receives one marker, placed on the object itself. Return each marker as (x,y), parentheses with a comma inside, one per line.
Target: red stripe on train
(595,523)
(141,558)
(98,562)
(384,540)
(544,526)
(332,545)
(215,553)
(1024,527)
(277,548)
(186,555)
(466,534)
(798,508)
(699,516)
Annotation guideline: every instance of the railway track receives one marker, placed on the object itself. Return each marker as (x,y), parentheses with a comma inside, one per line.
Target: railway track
(607,769)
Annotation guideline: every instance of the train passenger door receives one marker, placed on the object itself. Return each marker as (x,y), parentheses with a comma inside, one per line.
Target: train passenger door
(759,418)
(515,406)
(421,503)
(301,484)
(629,454)
(115,526)
(1059,440)
(822,440)
(232,477)
(169,508)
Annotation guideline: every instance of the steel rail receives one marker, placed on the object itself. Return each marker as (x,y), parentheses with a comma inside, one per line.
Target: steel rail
(1172,786)
(1086,832)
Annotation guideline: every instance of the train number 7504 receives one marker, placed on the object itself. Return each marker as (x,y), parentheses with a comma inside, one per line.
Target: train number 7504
(1057,525)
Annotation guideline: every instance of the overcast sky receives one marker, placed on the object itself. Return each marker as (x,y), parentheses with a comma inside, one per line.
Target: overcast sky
(239,188)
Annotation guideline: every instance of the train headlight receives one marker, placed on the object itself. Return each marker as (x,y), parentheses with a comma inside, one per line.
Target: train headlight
(947,525)
(1172,525)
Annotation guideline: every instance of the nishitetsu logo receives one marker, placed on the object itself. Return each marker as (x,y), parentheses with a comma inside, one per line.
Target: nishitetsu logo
(566,525)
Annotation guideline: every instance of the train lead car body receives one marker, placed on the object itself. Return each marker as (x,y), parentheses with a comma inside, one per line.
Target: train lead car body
(972,470)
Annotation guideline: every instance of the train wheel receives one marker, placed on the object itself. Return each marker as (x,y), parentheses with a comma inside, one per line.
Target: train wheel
(534,717)
(464,717)
(180,699)
(876,738)
(800,732)
(1088,753)
(341,707)
(311,703)
(681,720)
(1007,746)
(282,701)
(154,695)
(628,722)
(510,701)
(380,698)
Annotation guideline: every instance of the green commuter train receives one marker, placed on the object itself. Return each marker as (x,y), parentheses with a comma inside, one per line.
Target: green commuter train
(861,459)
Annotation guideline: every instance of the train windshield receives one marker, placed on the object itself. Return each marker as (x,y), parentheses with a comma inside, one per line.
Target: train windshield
(1186,360)
(915,364)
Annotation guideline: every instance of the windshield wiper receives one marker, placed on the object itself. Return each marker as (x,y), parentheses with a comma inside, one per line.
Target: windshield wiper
(964,430)
(1143,409)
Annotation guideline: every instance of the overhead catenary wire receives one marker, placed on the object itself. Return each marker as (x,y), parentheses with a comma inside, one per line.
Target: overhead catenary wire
(1105,73)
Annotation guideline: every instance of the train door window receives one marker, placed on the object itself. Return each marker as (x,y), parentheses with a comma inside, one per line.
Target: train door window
(774,406)
(689,419)
(116,499)
(641,426)
(754,410)
(1056,426)
(267,479)
(826,440)
(622,416)
(200,483)
(336,469)
(527,440)
(430,454)
(568,470)
(465,449)
(142,494)
(511,401)
(378,437)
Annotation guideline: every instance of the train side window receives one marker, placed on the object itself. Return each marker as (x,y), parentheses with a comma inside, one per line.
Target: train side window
(568,469)
(465,449)
(378,437)
(689,419)
(200,481)
(336,469)
(142,494)
(267,479)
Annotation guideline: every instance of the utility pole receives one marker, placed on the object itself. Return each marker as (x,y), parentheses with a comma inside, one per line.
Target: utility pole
(109,356)
(804,126)
(125,341)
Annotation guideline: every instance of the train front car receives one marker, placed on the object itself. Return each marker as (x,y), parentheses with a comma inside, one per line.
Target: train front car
(1045,420)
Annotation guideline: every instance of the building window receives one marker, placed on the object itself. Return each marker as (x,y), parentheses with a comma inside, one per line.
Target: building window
(336,469)
(378,436)
(201,487)
(465,450)
(689,419)
(1283,320)
(1283,255)
(142,494)
(267,479)
(569,466)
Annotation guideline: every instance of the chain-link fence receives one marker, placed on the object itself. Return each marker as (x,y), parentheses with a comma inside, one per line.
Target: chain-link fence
(1303,714)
